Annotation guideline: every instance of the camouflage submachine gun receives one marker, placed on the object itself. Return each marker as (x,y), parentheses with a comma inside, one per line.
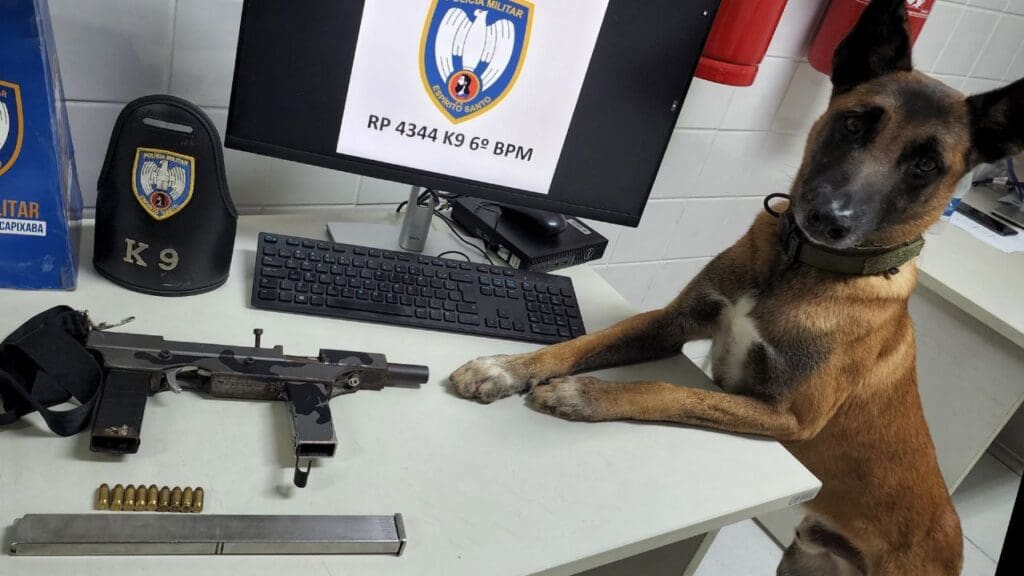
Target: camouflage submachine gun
(136,366)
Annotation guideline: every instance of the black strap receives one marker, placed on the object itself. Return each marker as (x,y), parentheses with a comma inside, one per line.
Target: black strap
(44,363)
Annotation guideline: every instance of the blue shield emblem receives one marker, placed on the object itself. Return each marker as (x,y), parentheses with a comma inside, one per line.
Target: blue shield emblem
(163,181)
(472,52)
(12,125)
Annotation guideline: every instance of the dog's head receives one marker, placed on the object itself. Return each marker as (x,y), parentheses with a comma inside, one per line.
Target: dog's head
(882,162)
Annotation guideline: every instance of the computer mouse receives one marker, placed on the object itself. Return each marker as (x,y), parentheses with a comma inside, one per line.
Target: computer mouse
(539,221)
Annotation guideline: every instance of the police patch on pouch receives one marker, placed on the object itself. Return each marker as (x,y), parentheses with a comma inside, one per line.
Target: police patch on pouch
(472,52)
(163,181)
(12,129)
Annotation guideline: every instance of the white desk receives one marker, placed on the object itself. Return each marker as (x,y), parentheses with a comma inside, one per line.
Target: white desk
(484,490)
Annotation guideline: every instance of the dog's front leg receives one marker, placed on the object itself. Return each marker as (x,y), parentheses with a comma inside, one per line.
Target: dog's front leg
(591,399)
(642,337)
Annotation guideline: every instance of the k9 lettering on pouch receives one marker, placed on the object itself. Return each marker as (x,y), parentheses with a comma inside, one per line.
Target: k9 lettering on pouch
(134,253)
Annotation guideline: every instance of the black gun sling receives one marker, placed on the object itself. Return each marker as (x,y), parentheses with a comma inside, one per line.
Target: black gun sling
(44,363)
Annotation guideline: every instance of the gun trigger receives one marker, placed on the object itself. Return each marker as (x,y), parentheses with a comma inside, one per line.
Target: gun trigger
(172,379)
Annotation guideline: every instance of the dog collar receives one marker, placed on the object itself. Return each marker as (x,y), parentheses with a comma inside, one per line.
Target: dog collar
(857,261)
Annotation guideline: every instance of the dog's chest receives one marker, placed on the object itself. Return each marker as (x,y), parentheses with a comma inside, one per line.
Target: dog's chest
(735,333)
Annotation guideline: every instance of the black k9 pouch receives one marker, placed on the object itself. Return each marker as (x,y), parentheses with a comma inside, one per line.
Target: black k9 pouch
(165,223)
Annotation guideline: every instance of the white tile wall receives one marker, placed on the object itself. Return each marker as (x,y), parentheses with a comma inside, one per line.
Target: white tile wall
(732,145)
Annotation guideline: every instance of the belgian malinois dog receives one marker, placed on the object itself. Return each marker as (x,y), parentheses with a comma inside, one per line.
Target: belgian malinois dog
(812,342)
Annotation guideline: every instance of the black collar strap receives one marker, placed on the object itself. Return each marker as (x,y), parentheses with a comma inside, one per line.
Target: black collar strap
(858,261)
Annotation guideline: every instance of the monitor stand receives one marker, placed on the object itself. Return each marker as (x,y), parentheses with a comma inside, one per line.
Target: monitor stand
(381,227)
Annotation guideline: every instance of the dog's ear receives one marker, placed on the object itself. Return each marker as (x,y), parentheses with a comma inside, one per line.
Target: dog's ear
(878,44)
(997,123)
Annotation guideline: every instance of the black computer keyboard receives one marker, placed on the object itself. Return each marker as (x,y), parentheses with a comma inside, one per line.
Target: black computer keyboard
(360,283)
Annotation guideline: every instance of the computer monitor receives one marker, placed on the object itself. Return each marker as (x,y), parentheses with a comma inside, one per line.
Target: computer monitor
(559,105)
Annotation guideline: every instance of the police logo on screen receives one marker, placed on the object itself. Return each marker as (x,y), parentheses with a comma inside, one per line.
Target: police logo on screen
(472,52)
(12,127)
(162,181)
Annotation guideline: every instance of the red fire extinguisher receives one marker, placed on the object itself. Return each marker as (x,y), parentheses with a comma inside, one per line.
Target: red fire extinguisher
(839,20)
(738,40)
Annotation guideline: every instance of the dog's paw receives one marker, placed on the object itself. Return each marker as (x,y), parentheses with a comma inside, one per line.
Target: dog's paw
(573,398)
(487,379)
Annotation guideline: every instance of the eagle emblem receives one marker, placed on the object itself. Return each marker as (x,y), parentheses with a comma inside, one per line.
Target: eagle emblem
(12,127)
(162,181)
(470,60)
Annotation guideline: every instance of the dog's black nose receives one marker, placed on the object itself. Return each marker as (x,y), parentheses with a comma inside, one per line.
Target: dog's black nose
(834,227)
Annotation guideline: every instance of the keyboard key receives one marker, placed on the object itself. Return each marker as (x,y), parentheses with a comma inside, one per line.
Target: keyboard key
(449,306)
(391,299)
(269,283)
(323,246)
(503,313)
(358,251)
(294,275)
(513,294)
(362,295)
(491,322)
(388,309)
(436,315)
(572,313)
(566,293)
(349,293)
(379,297)
(316,289)
(511,284)
(564,333)
(505,324)
(450,317)
(287,285)
(285,296)
(541,329)
(468,308)
(292,242)
(309,244)
(421,314)
(532,307)
(299,254)
(518,326)
(270,239)
(500,293)
(306,267)
(333,291)
(471,319)
(314,257)
(267,295)
(301,287)
(458,276)
(273,273)
(301,299)
(435,304)
(269,251)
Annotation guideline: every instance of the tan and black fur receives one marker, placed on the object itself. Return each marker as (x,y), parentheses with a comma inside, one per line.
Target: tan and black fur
(823,362)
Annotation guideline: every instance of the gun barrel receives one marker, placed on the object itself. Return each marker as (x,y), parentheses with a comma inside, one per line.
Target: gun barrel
(408,374)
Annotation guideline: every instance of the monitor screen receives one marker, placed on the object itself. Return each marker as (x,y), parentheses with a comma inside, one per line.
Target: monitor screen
(563,105)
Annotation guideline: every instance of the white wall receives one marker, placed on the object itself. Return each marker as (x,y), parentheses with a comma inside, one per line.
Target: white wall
(732,145)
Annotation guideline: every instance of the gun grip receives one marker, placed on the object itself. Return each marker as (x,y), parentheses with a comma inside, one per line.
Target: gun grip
(312,426)
(117,424)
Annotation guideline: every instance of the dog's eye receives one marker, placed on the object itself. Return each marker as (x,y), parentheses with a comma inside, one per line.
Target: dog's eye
(926,165)
(854,125)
